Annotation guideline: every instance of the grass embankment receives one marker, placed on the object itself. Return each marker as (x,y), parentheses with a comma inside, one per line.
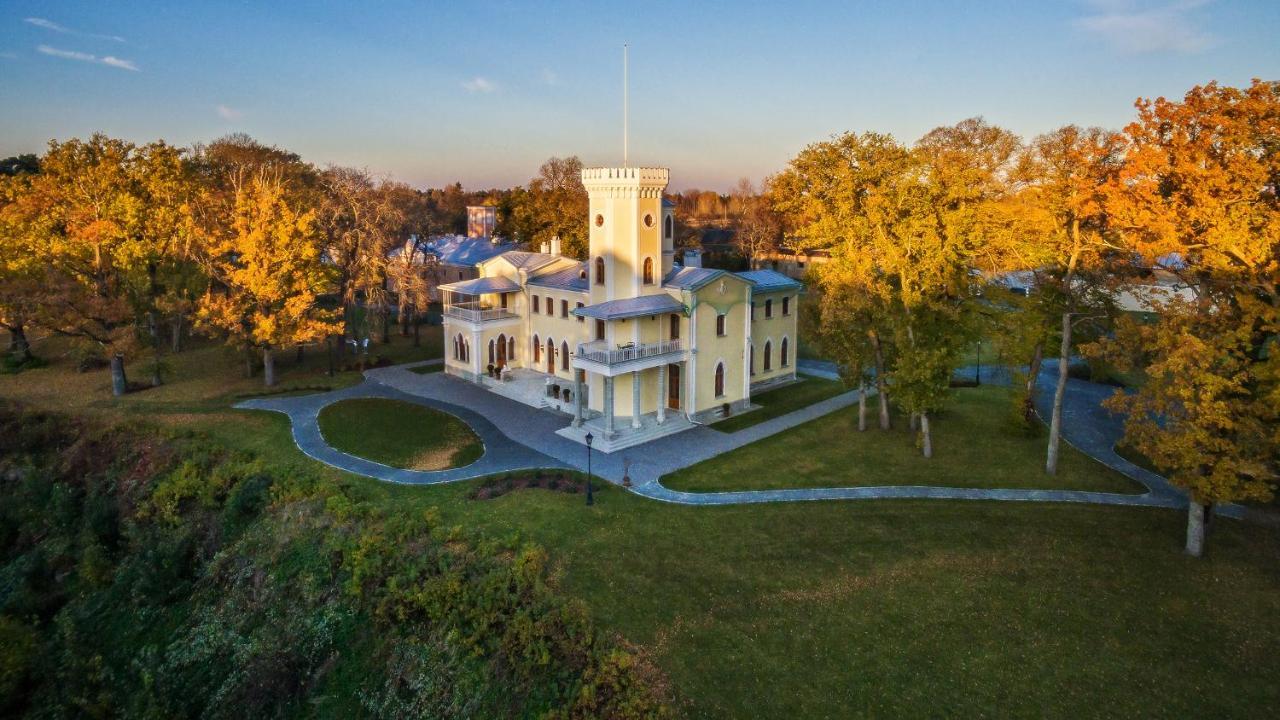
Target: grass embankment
(888,609)
(780,401)
(399,434)
(973,443)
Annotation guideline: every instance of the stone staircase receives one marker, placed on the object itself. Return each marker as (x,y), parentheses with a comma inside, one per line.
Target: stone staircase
(627,437)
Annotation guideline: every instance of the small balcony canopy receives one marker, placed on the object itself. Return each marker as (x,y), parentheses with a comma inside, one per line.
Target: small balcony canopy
(632,307)
(483,286)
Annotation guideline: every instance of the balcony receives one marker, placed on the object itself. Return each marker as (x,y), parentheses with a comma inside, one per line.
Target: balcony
(608,359)
(477,312)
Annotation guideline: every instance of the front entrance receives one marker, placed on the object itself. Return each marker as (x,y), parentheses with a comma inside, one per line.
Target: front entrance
(551,358)
(673,387)
(502,349)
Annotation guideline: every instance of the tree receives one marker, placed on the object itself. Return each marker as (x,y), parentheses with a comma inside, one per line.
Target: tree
(554,205)
(1064,242)
(1199,197)
(98,214)
(267,264)
(411,272)
(758,227)
(21,269)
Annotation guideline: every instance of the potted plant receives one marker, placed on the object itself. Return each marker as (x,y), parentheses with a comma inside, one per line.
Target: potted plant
(626,472)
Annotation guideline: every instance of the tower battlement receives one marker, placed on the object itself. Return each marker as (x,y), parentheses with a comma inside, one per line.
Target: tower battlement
(645,175)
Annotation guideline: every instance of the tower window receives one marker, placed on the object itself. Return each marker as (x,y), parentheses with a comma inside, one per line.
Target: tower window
(599,271)
(599,221)
(648,271)
(648,220)
(720,325)
(667,228)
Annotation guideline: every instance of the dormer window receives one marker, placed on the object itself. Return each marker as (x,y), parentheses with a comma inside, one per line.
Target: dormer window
(648,271)
(599,271)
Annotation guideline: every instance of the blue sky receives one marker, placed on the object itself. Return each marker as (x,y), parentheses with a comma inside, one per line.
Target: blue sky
(431,92)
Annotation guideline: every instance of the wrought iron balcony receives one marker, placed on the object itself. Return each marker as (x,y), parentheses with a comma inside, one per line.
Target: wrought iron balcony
(477,312)
(607,354)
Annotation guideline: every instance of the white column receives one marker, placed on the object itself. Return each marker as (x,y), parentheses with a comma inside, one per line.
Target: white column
(476,355)
(608,407)
(635,400)
(662,393)
(577,397)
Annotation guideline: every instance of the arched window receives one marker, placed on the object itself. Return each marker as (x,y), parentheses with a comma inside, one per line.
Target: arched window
(537,349)
(466,351)
(648,271)
(667,232)
(564,355)
(551,355)
(493,356)
(511,349)
(719,379)
(768,351)
(457,354)
(599,271)
(785,359)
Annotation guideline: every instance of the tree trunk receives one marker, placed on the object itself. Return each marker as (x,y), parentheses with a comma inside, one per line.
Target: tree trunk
(329,351)
(926,435)
(299,360)
(18,344)
(881,390)
(1195,529)
(268,367)
(386,327)
(417,339)
(248,362)
(1033,375)
(153,327)
(1055,423)
(404,323)
(119,383)
(176,345)
(862,406)
(914,422)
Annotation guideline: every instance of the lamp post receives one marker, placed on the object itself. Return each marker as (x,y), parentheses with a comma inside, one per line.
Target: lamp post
(590,499)
(977,375)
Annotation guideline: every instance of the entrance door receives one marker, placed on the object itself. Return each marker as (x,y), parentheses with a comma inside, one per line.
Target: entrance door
(673,387)
(551,357)
(502,350)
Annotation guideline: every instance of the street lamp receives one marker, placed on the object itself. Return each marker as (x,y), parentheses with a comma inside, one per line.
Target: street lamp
(977,376)
(590,499)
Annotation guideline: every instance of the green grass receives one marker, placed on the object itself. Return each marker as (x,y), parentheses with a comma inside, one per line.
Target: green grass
(399,434)
(427,369)
(844,609)
(973,447)
(781,401)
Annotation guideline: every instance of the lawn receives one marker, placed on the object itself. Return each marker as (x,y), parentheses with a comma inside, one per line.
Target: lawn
(427,369)
(399,434)
(974,446)
(844,609)
(780,401)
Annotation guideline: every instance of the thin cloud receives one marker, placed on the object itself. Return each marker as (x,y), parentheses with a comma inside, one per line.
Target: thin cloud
(107,60)
(479,85)
(1138,30)
(55,27)
(228,113)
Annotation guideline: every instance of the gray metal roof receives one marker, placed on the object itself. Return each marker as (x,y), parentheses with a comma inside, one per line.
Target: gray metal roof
(691,278)
(570,278)
(527,260)
(631,307)
(467,251)
(769,280)
(483,286)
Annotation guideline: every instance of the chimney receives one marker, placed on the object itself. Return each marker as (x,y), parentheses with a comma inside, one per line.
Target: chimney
(545,248)
(692,258)
(555,244)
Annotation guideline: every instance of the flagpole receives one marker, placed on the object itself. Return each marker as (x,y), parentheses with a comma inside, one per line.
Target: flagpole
(625,109)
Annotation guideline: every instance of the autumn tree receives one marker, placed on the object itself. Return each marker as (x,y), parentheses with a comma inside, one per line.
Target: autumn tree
(553,205)
(1198,197)
(413,272)
(21,269)
(98,215)
(1063,241)
(758,228)
(267,264)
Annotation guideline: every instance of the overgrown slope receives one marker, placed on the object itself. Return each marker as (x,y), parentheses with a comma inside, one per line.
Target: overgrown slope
(164,577)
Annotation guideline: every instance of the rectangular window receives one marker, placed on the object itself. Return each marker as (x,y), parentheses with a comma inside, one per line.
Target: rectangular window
(599,329)
(675,326)
(768,308)
(551,306)
(564,308)
(720,323)
(786,305)
(580,318)
(535,304)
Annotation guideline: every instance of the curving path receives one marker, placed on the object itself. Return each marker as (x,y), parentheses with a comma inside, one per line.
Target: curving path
(517,436)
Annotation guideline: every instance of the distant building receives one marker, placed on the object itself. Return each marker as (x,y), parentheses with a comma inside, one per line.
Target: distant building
(794,264)
(482,221)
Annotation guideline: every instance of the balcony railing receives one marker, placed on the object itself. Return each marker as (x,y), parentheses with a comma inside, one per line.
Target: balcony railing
(606,354)
(477,312)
